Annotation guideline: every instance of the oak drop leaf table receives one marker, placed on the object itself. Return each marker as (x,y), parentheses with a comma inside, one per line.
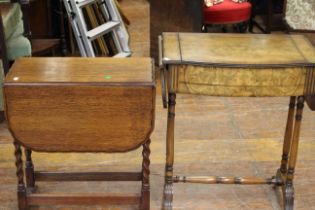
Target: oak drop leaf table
(238,65)
(80,105)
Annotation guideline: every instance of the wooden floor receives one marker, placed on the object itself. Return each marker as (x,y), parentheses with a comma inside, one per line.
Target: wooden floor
(214,136)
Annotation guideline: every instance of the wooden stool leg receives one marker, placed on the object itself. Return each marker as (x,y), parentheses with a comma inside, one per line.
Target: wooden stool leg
(287,140)
(29,170)
(21,190)
(145,191)
(204,28)
(168,187)
(288,187)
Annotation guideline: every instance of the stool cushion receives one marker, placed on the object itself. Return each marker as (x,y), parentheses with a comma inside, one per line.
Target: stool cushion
(227,12)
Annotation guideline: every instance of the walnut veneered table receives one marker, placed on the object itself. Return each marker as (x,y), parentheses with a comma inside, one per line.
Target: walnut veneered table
(80,105)
(238,65)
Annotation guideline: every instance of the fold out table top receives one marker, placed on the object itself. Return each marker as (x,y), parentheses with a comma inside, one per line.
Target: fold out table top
(239,64)
(258,50)
(81,104)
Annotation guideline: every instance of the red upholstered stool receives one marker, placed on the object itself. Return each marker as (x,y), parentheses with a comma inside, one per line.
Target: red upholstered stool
(227,12)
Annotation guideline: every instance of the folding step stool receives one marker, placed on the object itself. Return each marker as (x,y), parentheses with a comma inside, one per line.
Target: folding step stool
(114,26)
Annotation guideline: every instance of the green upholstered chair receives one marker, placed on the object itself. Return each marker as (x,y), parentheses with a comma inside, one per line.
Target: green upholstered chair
(13,43)
(16,44)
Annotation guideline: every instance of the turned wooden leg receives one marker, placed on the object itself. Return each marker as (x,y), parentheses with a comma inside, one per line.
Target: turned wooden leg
(164,88)
(242,27)
(21,190)
(29,170)
(168,187)
(145,191)
(204,28)
(288,187)
(287,141)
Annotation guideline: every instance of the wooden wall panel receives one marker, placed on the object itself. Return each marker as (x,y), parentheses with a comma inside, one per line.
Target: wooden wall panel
(173,16)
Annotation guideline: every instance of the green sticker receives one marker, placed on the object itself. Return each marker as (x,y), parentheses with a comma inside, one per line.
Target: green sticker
(108,77)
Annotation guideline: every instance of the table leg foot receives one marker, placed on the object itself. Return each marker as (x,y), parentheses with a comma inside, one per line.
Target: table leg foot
(168,197)
(278,179)
(288,197)
(29,171)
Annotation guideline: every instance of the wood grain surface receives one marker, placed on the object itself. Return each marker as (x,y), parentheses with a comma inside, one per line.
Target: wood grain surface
(120,71)
(241,82)
(240,65)
(82,199)
(237,49)
(53,106)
